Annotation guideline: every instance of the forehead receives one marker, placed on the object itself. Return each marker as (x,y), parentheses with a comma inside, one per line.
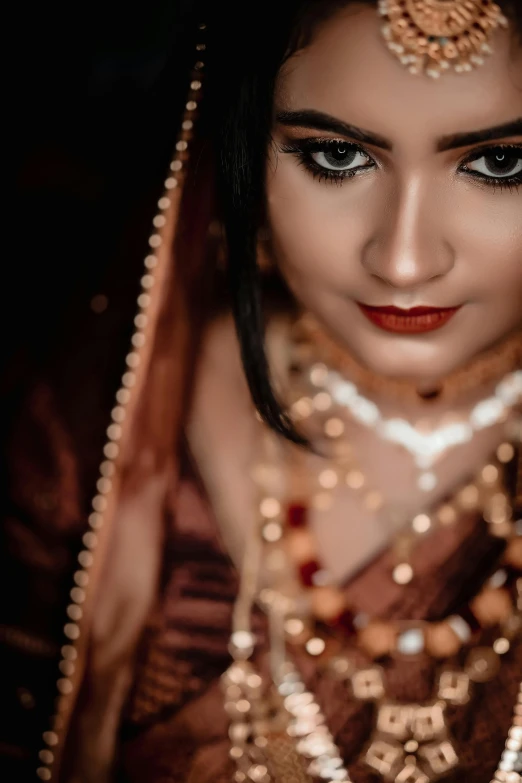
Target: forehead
(348,72)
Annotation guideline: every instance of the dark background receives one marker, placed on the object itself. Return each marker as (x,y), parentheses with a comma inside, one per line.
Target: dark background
(96,96)
(92,107)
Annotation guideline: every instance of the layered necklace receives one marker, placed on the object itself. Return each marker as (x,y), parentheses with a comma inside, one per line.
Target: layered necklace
(277,728)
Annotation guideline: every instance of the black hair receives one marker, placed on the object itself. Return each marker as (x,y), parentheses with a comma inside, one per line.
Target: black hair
(251,44)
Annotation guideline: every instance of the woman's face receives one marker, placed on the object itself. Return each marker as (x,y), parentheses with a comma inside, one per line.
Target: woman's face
(387,190)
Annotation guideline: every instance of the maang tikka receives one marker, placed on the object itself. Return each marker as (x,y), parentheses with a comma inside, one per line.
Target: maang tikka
(433,36)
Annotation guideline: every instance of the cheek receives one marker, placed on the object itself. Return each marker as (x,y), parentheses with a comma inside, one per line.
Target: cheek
(488,243)
(318,228)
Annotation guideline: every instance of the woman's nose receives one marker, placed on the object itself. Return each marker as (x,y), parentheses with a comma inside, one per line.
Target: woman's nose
(408,247)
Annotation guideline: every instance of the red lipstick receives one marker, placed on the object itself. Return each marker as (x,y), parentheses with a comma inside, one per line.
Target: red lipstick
(417,320)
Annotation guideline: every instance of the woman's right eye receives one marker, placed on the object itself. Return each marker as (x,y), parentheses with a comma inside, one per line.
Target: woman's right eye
(341,156)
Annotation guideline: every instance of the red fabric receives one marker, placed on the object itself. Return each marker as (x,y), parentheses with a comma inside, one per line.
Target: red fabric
(175,728)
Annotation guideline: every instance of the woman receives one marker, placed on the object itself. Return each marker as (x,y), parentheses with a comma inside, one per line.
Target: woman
(332,593)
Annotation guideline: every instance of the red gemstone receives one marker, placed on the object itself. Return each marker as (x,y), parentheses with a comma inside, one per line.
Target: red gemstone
(307,571)
(345,621)
(297,515)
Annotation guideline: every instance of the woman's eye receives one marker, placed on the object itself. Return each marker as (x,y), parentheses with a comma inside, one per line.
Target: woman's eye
(341,157)
(499,164)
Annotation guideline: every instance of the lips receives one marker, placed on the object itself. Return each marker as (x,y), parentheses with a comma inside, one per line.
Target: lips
(417,320)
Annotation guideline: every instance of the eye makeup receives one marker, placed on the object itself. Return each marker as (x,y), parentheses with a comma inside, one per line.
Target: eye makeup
(330,160)
(335,160)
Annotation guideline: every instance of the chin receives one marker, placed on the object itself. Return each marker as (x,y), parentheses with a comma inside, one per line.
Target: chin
(422,359)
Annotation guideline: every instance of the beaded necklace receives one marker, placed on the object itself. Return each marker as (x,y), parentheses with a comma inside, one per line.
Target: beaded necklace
(278,730)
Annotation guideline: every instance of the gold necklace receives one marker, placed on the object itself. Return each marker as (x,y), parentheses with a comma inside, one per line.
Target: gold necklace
(284,737)
(314,411)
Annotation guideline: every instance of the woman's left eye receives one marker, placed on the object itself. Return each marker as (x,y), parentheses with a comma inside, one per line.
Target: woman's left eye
(500,163)
(341,156)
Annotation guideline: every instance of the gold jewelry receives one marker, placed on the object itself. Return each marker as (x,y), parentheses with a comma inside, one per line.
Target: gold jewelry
(433,36)
(278,729)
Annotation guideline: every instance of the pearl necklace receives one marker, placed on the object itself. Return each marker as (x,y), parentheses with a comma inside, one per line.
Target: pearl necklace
(425,448)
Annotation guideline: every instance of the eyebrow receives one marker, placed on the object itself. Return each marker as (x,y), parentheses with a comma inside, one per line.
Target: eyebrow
(309,118)
(457,140)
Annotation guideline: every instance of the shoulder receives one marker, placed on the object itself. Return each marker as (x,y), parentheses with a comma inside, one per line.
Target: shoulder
(220,387)
(224,434)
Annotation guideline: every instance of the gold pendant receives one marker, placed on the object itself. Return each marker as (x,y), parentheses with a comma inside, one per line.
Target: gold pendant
(411,743)
(433,36)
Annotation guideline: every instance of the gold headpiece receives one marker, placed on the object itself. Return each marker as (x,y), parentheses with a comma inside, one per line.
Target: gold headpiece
(432,36)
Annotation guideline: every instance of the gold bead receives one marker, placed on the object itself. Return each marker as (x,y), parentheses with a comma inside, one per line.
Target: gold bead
(95,520)
(74,612)
(402,574)
(294,627)
(272,532)
(69,652)
(81,578)
(327,602)
(421,523)
(50,738)
(67,668)
(103,485)
(489,474)
(501,645)
(111,450)
(447,515)
(491,606)
(85,559)
(441,640)
(270,508)
(129,379)
(355,479)
(114,431)
(505,452)
(378,638)
(322,401)
(315,646)
(334,428)
(99,503)
(78,595)
(328,478)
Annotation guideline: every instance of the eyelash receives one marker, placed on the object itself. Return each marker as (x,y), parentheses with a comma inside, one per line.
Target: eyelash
(304,148)
(497,183)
